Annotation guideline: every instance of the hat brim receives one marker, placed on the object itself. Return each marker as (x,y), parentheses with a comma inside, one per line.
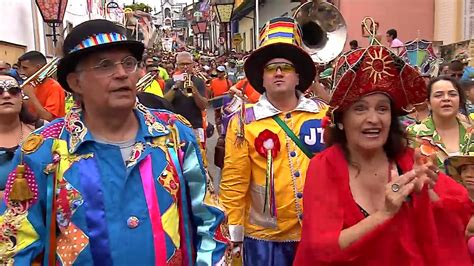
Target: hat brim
(454,163)
(256,62)
(68,63)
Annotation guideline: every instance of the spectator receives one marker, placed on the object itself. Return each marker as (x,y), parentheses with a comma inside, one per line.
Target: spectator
(192,104)
(47,99)
(394,43)
(456,69)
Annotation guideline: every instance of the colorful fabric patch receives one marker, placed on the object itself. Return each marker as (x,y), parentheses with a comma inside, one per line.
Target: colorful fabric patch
(170,181)
(71,243)
(16,232)
(311,134)
(136,153)
(53,130)
(68,199)
(170,221)
(75,127)
(150,120)
(176,259)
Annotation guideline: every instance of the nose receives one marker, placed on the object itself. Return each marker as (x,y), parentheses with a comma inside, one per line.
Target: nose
(120,71)
(5,94)
(373,117)
(278,72)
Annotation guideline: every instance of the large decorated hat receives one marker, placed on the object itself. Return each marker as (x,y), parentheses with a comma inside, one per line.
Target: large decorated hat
(91,36)
(280,38)
(376,69)
(454,164)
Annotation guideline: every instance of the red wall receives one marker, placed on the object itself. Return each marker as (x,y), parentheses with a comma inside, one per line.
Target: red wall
(406,16)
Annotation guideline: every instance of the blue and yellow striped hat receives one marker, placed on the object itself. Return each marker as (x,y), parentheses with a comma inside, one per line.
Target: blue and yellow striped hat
(280,38)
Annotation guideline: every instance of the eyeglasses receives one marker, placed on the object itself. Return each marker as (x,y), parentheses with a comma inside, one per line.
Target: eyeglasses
(284,68)
(107,67)
(13,91)
(9,86)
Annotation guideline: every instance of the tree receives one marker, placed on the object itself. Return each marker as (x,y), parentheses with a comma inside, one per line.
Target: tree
(140,6)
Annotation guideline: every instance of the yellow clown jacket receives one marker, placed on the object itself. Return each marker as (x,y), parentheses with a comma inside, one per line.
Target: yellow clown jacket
(245,184)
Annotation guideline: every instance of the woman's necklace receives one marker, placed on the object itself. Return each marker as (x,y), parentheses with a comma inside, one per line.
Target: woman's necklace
(20,140)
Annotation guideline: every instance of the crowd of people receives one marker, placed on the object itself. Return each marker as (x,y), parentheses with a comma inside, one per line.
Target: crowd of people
(363,161)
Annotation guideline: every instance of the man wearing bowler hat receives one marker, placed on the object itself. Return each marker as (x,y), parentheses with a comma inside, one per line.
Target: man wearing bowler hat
(113,183)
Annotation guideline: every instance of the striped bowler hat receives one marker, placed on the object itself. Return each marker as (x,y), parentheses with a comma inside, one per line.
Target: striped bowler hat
(92,36)
(280,38)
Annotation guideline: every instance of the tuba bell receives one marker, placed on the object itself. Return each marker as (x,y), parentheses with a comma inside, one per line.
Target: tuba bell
(323,28)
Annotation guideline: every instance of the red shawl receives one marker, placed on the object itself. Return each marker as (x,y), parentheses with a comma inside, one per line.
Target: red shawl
(421,233)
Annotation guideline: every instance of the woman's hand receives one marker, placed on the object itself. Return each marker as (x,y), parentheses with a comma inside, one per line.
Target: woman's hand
(427,168)
(397,191)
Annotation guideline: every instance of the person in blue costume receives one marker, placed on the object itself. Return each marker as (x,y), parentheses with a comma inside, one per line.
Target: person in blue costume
(15,124)
(112,183)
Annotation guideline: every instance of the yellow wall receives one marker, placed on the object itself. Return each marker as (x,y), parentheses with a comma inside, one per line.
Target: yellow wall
(448,22)
(11,52)
(245,26)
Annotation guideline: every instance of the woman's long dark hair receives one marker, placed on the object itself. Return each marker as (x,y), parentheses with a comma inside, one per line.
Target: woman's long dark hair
(396,141)
(456,85)
(25,116)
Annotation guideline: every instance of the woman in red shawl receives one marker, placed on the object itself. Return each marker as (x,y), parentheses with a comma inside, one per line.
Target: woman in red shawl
(368,198)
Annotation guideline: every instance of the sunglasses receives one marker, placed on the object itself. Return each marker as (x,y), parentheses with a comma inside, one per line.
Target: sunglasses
(13,91)
(456,75)
(284,68)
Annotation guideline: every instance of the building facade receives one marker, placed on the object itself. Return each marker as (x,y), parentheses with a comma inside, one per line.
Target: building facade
(411,19)
(454,20)
(245,22)
(23,28)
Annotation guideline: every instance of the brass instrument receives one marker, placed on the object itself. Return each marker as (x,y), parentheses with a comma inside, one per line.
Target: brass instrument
(323,28)
(187,85)
(43,73)
(203,77)
(146,81)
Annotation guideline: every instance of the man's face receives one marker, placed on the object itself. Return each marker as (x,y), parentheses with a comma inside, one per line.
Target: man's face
(467,176)
(220,74)
(185,63)
(279,76)
(105,84)
(149,61)
(389,38)
(28,68)
(456,74)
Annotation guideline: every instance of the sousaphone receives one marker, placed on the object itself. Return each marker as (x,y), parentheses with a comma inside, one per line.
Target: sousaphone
(323,28)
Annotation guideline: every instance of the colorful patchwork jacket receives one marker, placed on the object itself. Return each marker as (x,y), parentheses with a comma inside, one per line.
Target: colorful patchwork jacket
(73,200)
(425,136)
(264,170)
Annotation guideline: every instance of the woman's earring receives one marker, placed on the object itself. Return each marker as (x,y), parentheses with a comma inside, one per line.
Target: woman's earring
(340,126)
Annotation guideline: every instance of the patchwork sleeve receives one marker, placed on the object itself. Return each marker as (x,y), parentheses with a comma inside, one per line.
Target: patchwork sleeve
(235,181)
(206,214)
(22,212)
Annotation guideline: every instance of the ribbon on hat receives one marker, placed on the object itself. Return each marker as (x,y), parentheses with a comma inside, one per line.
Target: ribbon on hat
(98,39)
